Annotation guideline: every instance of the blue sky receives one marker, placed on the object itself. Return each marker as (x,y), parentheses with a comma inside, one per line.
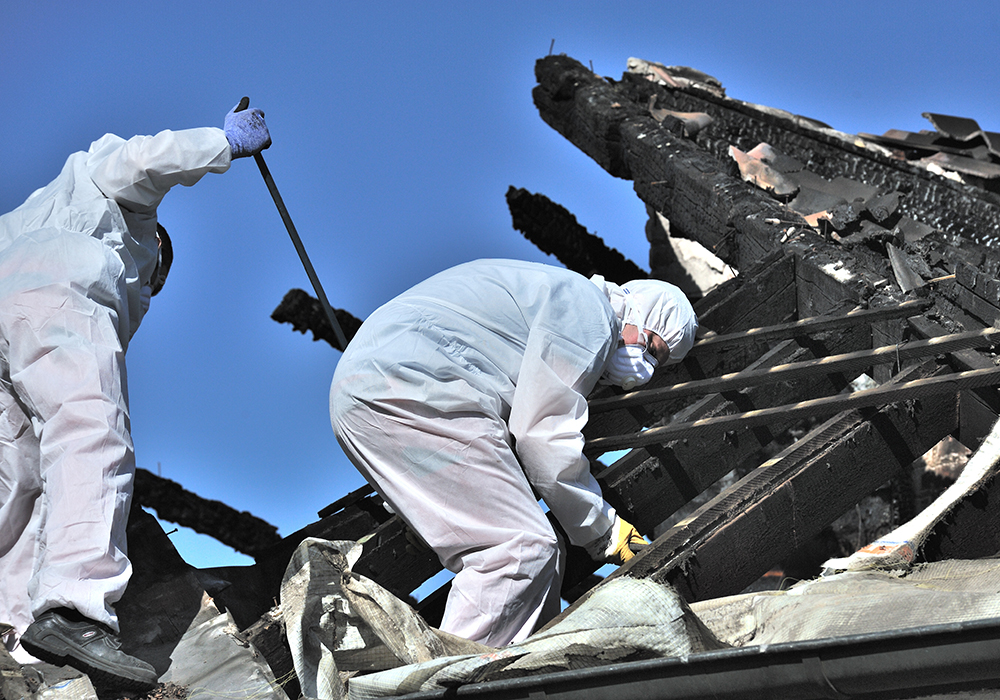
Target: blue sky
(397,129)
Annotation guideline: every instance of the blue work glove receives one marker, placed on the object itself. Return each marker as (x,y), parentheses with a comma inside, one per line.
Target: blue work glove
(246,131)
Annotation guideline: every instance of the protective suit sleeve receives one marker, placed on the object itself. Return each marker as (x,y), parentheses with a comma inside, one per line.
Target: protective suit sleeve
(547,417)
(137,173)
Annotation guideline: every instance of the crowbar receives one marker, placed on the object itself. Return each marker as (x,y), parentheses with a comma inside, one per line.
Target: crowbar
(296,241)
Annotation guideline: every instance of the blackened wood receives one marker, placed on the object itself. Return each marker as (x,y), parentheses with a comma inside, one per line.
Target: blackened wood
(649,484)
(733,540)
(268,637)
(852,364)
(394,562)
(305,313)
(933,199)
(811,325)
(762,296)
(912,391)
(692,188)
(240,530)
(556,232)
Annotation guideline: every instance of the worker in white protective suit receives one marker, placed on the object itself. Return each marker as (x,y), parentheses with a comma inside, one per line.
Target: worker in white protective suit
(79,260)
(462,398)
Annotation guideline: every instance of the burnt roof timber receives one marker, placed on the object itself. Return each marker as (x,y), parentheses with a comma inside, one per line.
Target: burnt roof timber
(853,364)
(733,539)
(814,324)
(556,232)
(878,396)
(951,206)
(652,482)
(610,122)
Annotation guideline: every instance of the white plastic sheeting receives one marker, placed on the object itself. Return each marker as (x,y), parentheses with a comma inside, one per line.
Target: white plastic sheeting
(858,602)
(339,621)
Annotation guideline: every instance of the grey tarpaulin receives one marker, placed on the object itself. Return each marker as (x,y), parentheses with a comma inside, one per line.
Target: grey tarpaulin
(858,602)
(338,622)
(624,620)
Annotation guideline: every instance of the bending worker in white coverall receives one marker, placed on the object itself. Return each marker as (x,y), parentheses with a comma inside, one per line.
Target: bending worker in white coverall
(78,263)
(461,395)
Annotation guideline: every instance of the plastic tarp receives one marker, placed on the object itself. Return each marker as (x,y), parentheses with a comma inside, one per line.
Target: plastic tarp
(858,602)
(211,661)
(338,621)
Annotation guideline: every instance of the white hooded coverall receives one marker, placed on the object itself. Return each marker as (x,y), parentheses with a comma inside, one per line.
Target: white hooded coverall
(73,258)
(457,398)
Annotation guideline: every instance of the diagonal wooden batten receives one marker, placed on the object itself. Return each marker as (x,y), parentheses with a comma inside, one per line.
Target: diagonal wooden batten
(815,324)
(843,363)
(878,396)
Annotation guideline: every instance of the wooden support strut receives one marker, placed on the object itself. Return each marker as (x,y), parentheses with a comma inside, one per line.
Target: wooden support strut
(807,326)
(844,363)
(832,404)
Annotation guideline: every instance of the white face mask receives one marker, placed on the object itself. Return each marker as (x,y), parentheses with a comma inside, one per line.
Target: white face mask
(630,366)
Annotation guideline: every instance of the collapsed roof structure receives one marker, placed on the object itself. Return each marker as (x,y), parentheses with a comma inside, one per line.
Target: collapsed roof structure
(843,255)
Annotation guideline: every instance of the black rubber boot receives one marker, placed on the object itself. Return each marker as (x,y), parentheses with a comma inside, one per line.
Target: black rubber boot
(64,637)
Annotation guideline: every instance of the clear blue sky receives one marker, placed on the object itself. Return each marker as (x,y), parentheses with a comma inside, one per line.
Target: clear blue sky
(397,129)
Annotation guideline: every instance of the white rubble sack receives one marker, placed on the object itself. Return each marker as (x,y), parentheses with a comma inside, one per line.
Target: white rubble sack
(858,602)
(625,619)
(338,622)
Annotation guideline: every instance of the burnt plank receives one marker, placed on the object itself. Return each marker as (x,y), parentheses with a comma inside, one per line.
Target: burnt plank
(737,536)
(956,208)
(556,231)
(847,363)
(977,407)
(686,184)
(977,306)
(731,307)
(765,297)
(650,484)
(825,284)
(392,561)
(779,506)
(911,391)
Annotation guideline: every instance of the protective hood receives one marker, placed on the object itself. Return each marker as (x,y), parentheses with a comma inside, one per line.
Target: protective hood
(656,306)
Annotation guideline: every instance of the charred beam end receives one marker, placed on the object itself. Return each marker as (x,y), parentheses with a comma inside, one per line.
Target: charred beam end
(305,313)
(697,192)
(556,232)
(240,530)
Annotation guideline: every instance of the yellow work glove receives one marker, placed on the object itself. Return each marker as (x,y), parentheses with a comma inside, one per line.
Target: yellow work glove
(625,541)
(618,545)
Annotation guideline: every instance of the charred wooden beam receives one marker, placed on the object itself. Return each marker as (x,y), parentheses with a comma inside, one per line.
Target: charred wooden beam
(785,502)
(305,313)
(928,197)
(811,325)
(851,364)
(736,537)
(651,483)
(688,185)
(240,530)
(763,296)
(556,231)
(910,391)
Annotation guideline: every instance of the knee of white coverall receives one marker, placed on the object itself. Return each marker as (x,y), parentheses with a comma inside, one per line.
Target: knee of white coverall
(504,592)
